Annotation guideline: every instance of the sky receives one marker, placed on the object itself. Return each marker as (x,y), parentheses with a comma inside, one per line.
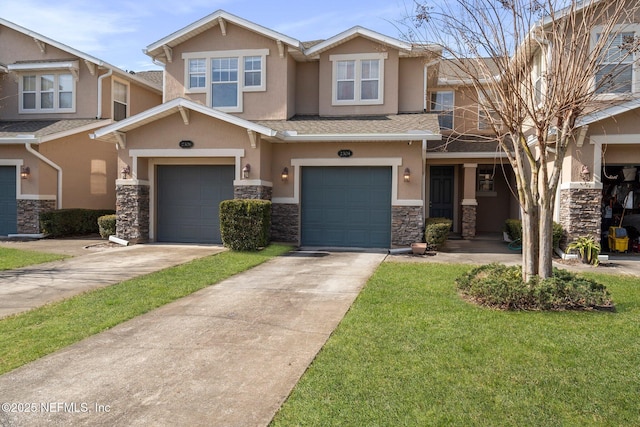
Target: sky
(116,31)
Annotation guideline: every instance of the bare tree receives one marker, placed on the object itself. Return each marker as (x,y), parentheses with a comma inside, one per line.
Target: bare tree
(549,62)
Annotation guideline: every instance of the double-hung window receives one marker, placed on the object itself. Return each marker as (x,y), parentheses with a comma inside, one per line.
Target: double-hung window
(615,75)
(442,103)
(225,75)
(358,79)
(47,93)
(120,100)
(486,113)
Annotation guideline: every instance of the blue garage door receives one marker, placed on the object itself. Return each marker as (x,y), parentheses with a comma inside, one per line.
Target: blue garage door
(189,201)
(8,209)
(346,206)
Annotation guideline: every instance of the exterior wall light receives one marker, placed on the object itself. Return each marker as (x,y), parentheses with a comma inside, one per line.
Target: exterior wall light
(246,170)
(25,172)
(407,175)
(125,171)
(585,173)
(285,174)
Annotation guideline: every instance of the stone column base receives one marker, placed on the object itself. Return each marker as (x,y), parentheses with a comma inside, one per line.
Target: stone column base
(285,223)
(259,192)
(132,212)
(468,221)
(580,213)
(28,212)
(407,225)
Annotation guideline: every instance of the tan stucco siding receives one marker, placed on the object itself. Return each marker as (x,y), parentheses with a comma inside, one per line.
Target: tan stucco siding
(89,171)
(307,88)
(358,46)
(411,94)
(42,178)
(266,105)
(142,99)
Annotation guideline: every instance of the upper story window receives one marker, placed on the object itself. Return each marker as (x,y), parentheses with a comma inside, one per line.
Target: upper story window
(358,79)
(47,93)
(442,102)
(486,114)
(225,75)
(120,100)
(617,74)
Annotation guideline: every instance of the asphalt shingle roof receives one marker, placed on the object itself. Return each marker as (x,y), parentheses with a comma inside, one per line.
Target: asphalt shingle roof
(41,128)
(389,124)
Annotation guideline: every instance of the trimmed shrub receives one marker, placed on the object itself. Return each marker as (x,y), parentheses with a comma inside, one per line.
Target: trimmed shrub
(437,231)
(245,224)
(513,227)
(107,225)
(72,222)
(500,286)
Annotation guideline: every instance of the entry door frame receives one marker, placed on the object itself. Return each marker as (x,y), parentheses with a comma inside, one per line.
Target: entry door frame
(455,193)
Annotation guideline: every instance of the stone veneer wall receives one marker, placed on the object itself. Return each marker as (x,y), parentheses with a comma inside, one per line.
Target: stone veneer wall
(28,212)
(285,223)
(468,221)
(407,225)
(580,213)
(252,192)
(132,212)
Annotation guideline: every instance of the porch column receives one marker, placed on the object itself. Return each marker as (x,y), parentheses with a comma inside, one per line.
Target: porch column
(132,210)
(469,202)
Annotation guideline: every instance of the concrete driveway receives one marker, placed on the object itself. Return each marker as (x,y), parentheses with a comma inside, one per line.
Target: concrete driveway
(95,264)
(227,355)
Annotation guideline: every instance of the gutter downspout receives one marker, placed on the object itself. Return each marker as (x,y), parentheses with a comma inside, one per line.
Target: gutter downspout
(53,165)
(100,79)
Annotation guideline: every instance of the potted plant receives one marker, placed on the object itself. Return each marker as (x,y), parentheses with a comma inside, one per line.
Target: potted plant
(587,248)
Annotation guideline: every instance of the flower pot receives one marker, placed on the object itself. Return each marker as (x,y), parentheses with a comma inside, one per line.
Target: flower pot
(419,248)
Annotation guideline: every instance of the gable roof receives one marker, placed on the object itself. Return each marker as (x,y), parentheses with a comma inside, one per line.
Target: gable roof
(39,131)
(405,48)
(90,61)
(177,105)
(158,50)
(609,112)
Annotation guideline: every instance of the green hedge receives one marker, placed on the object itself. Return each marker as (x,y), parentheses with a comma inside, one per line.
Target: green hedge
(513,227)
(437,231)
(71,222)
(107,225)
(245,224)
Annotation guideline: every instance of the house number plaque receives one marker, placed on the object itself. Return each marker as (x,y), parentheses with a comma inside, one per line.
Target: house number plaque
(345,153)
(186,144)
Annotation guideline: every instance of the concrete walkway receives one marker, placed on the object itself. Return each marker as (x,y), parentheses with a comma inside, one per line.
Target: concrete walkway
(227,355)
(95,264)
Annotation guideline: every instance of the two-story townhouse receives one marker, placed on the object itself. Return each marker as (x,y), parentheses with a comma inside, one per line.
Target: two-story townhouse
(468,177)
(51,98)
(600,181)
(334,132)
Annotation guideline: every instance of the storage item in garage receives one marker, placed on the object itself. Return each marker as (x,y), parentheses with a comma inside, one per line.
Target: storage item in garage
(618,239)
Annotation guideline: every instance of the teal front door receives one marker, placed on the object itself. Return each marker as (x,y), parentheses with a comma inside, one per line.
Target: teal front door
(346,207)
(441,192)
(8,204)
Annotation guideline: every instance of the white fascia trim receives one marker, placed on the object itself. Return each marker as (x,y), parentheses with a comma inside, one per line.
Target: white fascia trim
(333,137)
(252,183)
(441,155)
(20,139)
(75,131)
(619,139)
(134,122)
(590,185)
(609,112)
(133,182)
(237,154)
(228,17)
(416,203)
(37,197)
(44,66)
(354,31)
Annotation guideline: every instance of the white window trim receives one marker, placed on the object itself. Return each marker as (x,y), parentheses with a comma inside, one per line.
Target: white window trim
(113,96)
(39,110)
(635,67)
(240,54)
(453,107)
(358,58)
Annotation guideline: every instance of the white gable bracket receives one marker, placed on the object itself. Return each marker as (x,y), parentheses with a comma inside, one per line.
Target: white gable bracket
(184,113)
(122,139)
(581,135)
(168,53)
(223,25)
(254,138)
(280,48)
(91,66)
(41,45)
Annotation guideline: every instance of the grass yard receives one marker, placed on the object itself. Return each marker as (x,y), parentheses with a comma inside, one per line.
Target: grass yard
(15,258)
(31,335)
(411,353)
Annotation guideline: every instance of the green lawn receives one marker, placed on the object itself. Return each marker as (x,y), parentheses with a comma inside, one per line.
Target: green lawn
(31,335)
(411,353)
(14,258)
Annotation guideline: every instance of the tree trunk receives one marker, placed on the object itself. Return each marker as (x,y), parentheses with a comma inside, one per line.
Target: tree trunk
(530,231)
(545,260)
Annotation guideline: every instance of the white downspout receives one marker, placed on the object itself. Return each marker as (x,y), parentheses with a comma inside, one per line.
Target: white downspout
(100,79)
(53,165)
